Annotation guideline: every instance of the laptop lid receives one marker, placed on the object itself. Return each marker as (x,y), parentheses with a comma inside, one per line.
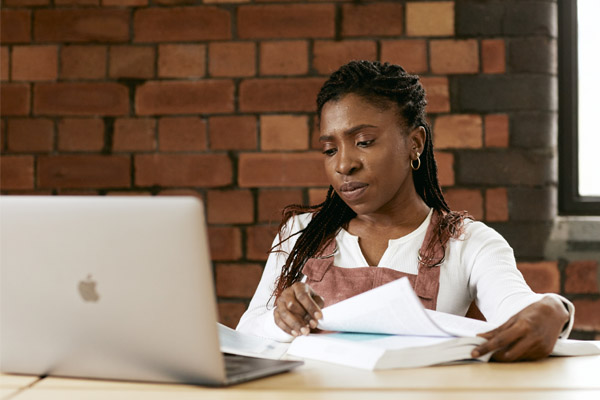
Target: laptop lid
(108,287)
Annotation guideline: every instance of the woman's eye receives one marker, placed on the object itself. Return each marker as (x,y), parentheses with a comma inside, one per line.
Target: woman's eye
(365,143)
(329,152)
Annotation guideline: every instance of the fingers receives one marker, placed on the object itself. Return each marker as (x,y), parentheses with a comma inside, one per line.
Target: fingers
(298,309)
(499,338)
(306,298)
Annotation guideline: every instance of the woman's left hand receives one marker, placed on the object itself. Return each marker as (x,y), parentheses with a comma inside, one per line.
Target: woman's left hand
(528,335)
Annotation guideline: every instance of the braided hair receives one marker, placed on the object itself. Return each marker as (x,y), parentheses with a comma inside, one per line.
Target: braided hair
(379,84)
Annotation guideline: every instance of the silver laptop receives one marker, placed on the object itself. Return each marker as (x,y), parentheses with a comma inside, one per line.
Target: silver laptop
(112,288)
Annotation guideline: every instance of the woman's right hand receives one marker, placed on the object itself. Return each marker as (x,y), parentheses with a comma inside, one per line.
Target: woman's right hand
(298,309)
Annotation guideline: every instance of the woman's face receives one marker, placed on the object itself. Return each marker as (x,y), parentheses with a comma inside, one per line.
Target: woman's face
(367,154)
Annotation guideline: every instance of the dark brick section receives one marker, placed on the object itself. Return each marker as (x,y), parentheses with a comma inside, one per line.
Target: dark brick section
(503,92)
(507,18)
(533,129)
(475,18)
(583,246)
(537,54)
(530,18)
(528,239)
(532,204)
(498,168)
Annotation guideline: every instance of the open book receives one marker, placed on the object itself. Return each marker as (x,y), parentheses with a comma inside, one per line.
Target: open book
(388,327)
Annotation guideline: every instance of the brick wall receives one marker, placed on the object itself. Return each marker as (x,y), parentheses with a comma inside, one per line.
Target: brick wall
(215,98)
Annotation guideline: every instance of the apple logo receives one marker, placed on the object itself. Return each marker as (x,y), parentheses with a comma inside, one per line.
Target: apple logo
(87,290)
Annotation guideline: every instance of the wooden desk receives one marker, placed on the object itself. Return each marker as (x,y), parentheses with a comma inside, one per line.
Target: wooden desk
(11,384)
(555,378)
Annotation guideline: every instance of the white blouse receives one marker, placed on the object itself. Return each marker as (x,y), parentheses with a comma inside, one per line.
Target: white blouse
(479,266)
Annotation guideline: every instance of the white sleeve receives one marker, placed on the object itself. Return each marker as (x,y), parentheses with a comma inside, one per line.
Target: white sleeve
(495,282)
(258,319)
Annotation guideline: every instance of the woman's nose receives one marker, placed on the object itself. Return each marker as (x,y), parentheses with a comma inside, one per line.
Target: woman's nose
(347,162)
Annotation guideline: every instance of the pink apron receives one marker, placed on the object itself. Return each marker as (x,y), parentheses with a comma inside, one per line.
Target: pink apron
(335,284)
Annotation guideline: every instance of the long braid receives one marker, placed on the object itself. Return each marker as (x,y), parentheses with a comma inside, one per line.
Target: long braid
(379,84)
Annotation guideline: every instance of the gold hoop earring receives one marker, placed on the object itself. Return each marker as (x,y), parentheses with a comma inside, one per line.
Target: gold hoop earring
(418,163)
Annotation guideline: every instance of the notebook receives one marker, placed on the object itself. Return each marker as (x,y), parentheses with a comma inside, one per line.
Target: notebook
(112,288)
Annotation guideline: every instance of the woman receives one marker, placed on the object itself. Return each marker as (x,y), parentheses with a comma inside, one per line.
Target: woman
(384,218)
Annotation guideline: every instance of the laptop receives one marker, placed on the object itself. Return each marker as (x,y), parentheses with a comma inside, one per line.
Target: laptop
(113,288)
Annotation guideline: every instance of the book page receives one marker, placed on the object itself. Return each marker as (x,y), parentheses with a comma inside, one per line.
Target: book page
(234,342)
(393,308)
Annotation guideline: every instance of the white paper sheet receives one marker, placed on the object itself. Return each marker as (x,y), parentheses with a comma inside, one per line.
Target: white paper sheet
(394,308)
(234,342)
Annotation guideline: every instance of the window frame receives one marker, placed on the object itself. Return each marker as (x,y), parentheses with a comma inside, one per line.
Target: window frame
(570,202)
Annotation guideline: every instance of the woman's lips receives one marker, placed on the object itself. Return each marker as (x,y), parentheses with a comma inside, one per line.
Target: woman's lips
(353,190)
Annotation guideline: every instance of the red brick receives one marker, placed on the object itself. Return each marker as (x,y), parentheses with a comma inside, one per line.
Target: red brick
(14,99)
(288,57)
(83,171)
(587,315)
(430,18)
(66,98)
(77,2)
(233,133)
(496,205)
(34,63)
(182,134)
(203,170)
(286,21)
(290,94)
(181,24)
(81,25)
(458,131)
(493,56)
(230,207)
(496,130)
(225,1)
(230,313)
(582,277)
(410,54)
(259,239)
(445,167)
(134,134)
(131,62)
(328,56)
(174,2)
(281,170)
(316,196)
(194,97)
(83,62)
(80,134)
(225,243)
(283,132)
(124,3)
(25,3)
(235,59)
(542,277)
(272,202)
(438,97)
(5,63)
(2,136)
(32,135)
(181,60)
(454,56)
(16,172)
(376,19)
(15,26)
(237,280)
(465,199)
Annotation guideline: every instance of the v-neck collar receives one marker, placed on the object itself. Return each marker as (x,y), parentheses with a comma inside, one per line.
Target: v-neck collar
(392,243)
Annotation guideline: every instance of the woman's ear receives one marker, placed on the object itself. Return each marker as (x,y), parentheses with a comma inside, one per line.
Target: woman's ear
(417,139)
